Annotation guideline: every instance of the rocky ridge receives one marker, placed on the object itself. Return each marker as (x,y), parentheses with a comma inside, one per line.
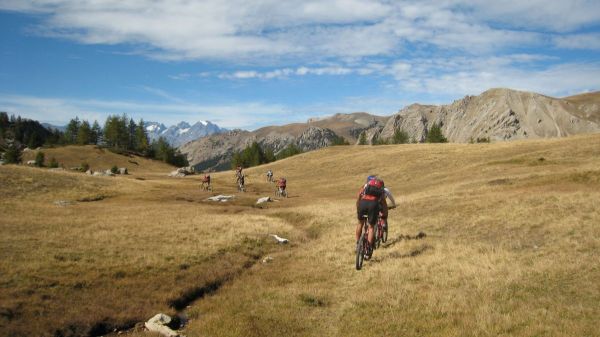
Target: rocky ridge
(496,115)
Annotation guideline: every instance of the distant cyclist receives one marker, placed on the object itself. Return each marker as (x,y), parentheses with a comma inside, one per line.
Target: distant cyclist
(371,201)
(206,182)
(269,176)
(281,186)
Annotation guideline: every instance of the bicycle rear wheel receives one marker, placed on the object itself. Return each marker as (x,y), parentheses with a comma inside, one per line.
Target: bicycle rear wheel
(360,251)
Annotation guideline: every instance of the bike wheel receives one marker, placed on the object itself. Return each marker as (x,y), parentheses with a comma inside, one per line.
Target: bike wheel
(360,251)
(376,236)
(384,236)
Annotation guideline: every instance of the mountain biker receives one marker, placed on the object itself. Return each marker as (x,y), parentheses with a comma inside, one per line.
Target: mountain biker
(388,195)
(269,175)
(240,180)
(281,184)
(371,201)
(206,181)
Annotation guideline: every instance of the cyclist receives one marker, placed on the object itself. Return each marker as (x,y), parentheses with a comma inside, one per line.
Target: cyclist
(240,181)
(281,185)
(371,201)
(206,181)
(269,176)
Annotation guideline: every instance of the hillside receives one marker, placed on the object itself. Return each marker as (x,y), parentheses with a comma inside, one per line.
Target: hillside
(100,159)
(510,246)
(215,152)
(497,115)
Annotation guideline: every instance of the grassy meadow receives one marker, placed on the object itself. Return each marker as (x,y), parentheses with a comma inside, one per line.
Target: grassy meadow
(511,246)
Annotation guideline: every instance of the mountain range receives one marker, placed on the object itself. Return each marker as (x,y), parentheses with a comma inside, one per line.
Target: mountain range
(179,134)
(495,115)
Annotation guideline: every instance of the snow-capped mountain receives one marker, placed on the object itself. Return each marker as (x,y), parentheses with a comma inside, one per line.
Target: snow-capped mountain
(181,133)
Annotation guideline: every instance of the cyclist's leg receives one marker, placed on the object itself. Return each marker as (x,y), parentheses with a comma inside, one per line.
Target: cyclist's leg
(373,211)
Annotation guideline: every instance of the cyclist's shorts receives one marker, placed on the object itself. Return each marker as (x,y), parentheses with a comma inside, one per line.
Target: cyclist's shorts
(370,208)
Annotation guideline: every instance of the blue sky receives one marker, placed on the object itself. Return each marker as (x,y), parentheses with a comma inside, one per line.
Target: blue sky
(248,64)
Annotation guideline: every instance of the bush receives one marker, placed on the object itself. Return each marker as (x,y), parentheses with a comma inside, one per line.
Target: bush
(85,167)
(362,140)
(53,163)
(400,137)
(435,135)
(339,140)
(114,169)
(13,154)
(39,159)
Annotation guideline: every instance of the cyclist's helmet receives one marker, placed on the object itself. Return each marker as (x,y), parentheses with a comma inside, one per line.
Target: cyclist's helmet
(369,178)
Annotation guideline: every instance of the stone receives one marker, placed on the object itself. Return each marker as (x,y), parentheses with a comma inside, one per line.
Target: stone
(263,200)
(279,239)
(159,323)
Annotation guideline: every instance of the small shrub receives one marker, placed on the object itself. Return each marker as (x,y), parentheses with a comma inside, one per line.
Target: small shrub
(435,135)
(13,154)
(114,169)
(362,140)
(85,166)
(39,159)
(400,137)
(53,163)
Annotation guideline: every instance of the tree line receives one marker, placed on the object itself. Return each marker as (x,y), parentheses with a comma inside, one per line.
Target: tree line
(121,134)
(254,155)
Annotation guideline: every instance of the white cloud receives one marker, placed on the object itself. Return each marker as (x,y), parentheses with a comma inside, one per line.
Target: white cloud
(261,30)
(589,41)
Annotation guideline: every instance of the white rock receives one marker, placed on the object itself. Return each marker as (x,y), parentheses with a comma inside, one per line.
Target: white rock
(279,239)
(31,162)
(263,199)
(221,198)
(267,259)
(158,323)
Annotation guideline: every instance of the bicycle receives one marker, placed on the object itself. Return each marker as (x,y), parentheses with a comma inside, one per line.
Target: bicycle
(281,192)
(381,231)
(206,187)
(241,187)
(363,248)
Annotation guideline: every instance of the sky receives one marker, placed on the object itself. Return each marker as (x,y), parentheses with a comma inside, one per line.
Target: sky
(247,64)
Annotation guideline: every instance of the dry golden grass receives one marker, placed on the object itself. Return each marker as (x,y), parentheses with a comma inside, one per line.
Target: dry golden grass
(512,246)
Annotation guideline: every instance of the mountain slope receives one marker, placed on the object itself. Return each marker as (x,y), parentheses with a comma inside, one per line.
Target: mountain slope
(500,114)
(215,152)
(179,134)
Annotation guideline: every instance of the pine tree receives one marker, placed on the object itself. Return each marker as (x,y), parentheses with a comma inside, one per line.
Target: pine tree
(96,133)
(132,141)
(13,154)
(141,138)
(362,140)
(84,134)
(72,130)
(400,137)
(435,135)
(39,159)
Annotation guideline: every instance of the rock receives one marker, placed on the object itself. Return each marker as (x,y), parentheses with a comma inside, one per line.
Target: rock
(221,198)
(279,239)
(123,170)
(267,259)
(31,162)
(263,200)
(159,323)
(182,172)
(62,203)
(108,173)
(89,172)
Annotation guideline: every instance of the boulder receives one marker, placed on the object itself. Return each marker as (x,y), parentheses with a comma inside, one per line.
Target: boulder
(279,239)
(31,162)
(159,323)
(221,198)
(89,172)
(182,172)
(263,200)
(123,170)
